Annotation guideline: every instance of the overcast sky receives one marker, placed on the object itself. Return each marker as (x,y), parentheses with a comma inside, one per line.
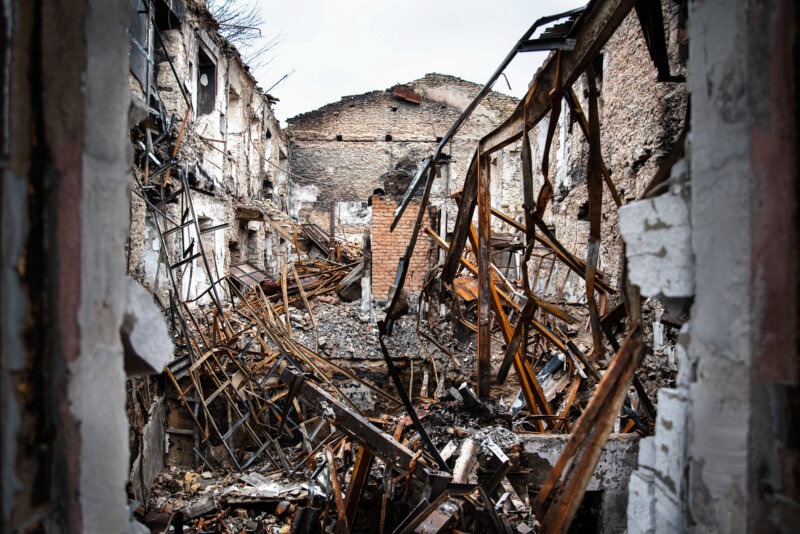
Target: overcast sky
(348,47)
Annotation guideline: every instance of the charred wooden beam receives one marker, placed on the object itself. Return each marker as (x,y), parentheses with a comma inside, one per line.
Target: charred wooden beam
(341,513)
(484,278)
(591,32)
(546,306)
(353,424)
(357,480)
(561,494)
(412,413)
(651,18)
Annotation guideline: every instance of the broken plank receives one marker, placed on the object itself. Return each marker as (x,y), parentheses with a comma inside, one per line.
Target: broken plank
(354,425)
(341,513)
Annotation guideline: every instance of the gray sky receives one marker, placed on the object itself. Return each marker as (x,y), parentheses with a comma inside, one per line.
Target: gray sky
(354,46)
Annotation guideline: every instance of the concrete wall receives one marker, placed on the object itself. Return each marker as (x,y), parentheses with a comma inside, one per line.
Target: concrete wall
(617,460)
(724,457)
(64,201)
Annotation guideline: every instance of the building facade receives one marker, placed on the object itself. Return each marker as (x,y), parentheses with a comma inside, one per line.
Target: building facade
(372,144)
(231,148)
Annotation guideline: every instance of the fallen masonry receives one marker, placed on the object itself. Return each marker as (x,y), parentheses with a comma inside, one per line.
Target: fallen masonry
(292,405)
(253,392)
(430,307)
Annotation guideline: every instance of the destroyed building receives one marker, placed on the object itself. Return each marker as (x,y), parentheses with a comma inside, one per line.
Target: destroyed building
(374,142)
(232,150)
(358,156)
(592,326)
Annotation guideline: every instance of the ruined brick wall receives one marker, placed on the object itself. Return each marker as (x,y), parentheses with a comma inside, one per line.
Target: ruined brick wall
(639,117)
(349,149)
(387,248)
(639,120)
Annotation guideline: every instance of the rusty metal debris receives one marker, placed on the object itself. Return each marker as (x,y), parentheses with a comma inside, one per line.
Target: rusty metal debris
(404,93)
(259,397)
(474,283)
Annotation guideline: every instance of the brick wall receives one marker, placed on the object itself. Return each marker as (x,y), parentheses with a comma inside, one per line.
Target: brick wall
(387,248)
(352,168)
(640,119)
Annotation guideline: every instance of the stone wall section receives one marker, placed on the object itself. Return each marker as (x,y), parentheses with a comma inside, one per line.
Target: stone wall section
(640,118)
(348,150)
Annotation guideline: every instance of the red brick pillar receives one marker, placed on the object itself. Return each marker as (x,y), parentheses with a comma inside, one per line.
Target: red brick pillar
(388,247)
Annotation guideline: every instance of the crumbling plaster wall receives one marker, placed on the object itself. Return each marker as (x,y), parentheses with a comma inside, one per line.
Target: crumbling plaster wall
(725,454)
(210,212)
(227,141)
(64,294)
(236,153)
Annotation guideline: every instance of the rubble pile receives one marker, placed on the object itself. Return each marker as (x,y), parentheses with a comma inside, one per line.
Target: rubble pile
(318,243)
(310,412)
(268,467)
(573,353)
(301,404)
(265,499)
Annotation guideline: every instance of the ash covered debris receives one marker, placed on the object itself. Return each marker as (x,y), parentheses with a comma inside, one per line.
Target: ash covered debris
(293,404)
(646,382)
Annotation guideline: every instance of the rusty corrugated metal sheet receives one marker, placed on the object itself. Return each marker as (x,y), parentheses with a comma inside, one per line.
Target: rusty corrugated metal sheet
(247,273)
(404,93)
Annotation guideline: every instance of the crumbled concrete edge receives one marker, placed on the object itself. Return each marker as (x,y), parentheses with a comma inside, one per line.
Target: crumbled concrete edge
(144,334)
(657,233)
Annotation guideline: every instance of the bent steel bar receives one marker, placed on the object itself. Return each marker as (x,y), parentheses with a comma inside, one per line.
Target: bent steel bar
(518,47)
(591,32)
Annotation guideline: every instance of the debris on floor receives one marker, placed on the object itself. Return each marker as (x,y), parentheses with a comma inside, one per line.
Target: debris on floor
(302,409)
(294,419)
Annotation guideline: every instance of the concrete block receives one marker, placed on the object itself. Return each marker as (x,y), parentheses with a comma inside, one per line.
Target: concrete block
(668,516)
(657,234)
(685,367)
(366,296)
(611,475)
(655,488)
(144,335)
(670,439)
(641,504)
(202,507)
(647,452)
(658,336)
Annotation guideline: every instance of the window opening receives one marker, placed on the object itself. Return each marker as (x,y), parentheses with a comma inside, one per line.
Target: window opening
(206,83)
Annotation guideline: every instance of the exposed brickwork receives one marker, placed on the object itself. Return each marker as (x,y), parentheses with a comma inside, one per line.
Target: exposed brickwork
(352,146)
(639,121)
(387,248)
